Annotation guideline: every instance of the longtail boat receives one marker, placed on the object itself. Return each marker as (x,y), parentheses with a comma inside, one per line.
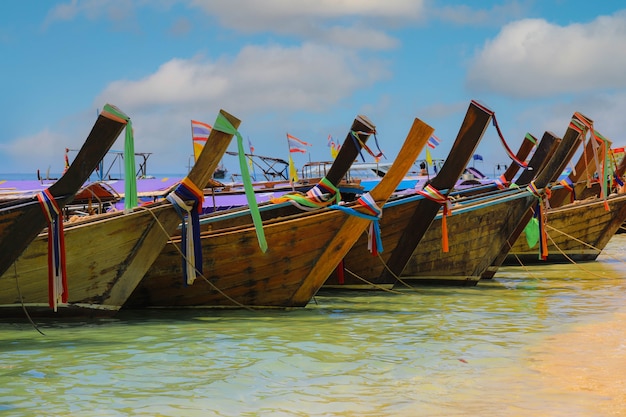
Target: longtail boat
(324,193)
(301,250)
(408,217)
(21,220)
(578,230)
(577,128)
(484,227)
(476,227)
(108,254)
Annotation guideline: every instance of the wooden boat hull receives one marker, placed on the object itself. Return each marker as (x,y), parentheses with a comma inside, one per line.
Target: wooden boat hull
(98,256)
(23,219)
(106,255)
(237,272)
(301,254)
(478,230)
(576,232)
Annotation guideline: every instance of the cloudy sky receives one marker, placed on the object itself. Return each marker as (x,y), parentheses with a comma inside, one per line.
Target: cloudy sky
(305,67)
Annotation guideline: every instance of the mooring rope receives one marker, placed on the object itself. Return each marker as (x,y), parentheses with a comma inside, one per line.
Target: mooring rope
(198,273)
(19,294)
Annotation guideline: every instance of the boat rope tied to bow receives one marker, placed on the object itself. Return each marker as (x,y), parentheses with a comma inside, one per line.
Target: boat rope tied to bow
(57,274)
(494,121)
(223,125)
(321,195)
(361,145)
(375,243)
(190,226)
(435,195)
(540,214)
(597,139)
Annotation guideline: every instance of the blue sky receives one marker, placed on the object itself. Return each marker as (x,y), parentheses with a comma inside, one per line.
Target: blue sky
(305,67)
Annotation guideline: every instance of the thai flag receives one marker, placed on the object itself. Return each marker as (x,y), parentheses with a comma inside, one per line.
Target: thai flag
(199,134)
(200,130)
(296,145)
(433,142)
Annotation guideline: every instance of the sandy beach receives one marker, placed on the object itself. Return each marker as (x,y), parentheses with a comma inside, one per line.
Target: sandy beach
(589,360)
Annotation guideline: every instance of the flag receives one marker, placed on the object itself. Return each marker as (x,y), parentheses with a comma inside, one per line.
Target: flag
(296,145)
(250,146)
(293,172)
(429,159)
(199,133)
(477,157)
(334,149)
(67,161)
(433,141)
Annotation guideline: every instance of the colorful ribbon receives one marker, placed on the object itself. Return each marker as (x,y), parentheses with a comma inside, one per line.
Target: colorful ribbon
(375,243)
(223,125)
(57,273)
(190,215)
(501,182)
(569,186)
(540,214)
(435,195)
(361,145)
(321,195)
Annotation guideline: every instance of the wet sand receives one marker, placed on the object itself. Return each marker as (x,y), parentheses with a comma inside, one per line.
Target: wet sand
(588,360)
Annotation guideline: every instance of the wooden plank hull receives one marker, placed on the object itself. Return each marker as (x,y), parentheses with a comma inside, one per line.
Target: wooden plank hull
(300,255)
(99,257)
(22,220)
(576,232)
(406,219)
(106,255)
(476,233)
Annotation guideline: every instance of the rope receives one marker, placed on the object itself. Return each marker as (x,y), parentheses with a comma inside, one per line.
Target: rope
(19,294)
(570,259)
(494,121)
(540,213)
(378,287)
(199,274)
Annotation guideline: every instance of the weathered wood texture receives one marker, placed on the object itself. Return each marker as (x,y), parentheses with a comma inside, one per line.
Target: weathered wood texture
(481,230)
(107,255)
(21,220)
(301,250)
(405,220)
(576,232)
(550,173)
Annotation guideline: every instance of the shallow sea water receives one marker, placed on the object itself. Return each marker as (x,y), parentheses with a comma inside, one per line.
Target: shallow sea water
(545,340)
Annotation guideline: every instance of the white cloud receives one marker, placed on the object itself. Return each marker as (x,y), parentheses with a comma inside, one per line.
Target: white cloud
(535,58)
(256,85)
(310,77)
(470,16)
(349,23)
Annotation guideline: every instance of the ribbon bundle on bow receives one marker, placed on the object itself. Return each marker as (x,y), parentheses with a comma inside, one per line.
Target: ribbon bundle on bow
(57,274)
(190,214)
(321,195)
(375,243)
(435,195)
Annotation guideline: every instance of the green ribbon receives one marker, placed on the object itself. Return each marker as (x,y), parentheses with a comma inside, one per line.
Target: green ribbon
(223,125)
(130,180)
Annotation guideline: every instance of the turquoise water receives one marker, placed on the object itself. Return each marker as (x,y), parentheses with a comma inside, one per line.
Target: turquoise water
(425,352)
